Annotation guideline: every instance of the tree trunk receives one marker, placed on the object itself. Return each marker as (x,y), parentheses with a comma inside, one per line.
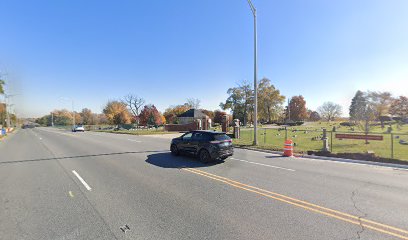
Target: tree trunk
(245,115)
(366,131)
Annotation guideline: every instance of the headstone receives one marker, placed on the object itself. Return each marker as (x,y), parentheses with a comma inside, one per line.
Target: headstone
(325,141)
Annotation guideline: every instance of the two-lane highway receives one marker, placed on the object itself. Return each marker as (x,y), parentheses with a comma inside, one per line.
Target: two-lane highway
(56,184)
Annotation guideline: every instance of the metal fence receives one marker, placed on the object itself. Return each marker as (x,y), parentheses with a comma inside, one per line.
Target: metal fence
(392,145)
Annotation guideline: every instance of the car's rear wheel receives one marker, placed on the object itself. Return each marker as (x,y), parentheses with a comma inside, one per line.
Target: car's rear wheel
(174,150)
(204,156)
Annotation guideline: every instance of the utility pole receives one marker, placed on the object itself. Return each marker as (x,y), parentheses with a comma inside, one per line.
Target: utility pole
(7,111)
(73,113)
(253,9)
(8,105)
(52,119)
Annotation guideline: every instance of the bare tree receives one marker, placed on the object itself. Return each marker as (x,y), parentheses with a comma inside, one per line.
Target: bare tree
(135,104)
(193,103)
(368,114)
(330,111)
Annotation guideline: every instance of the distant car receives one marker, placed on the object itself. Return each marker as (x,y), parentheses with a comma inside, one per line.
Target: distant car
(78,128)
(206,145)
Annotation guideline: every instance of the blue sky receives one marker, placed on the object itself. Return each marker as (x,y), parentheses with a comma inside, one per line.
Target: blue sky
(167,51)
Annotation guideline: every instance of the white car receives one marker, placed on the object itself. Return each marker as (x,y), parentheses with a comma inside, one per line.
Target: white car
(78,128)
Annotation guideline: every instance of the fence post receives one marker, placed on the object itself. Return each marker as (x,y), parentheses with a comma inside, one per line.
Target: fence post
(331,141)
(265,136)
(392,146)
(286,133)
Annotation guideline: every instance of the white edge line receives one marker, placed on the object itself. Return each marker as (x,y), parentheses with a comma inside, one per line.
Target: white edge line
(377,165)
(82,180)
(134,140)
(266,165)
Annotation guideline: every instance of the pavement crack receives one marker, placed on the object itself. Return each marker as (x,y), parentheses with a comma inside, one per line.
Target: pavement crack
(362,213)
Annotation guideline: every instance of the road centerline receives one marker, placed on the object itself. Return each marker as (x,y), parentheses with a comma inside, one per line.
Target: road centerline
(375,226)
(262,164)
(82,180)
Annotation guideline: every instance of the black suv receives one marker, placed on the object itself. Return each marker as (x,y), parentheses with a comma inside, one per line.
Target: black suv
(206,145)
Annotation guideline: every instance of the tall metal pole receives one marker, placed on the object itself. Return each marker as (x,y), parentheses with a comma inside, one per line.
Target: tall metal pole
(73,115)
(289,109)
(73,112)
(8,105)
(253,9)
(7,110)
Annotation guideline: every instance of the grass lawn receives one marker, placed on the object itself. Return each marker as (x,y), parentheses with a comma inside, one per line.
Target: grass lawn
(273,138)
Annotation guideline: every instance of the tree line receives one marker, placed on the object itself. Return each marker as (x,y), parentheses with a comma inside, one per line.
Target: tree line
(132,109)
(272,108)
(377,106)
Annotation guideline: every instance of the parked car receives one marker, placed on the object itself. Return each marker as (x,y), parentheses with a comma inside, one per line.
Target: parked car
(78,128)
(206,145)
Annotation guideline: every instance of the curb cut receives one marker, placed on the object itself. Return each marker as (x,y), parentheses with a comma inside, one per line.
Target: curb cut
(346,160)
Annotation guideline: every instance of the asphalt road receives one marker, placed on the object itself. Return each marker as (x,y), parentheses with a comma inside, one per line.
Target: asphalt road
(60,185)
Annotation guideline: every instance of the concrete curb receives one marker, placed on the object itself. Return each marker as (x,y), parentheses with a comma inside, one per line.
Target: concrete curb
(346,160)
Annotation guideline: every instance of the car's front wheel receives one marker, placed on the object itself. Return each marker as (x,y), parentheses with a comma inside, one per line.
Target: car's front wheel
(174,150)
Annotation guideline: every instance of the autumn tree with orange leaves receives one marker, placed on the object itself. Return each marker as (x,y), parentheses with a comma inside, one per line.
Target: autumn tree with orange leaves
(117,113)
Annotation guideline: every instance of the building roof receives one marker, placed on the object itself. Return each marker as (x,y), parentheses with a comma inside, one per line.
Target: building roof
(194,113)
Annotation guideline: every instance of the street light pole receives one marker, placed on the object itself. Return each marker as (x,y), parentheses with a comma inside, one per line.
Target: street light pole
(8,105)
(253,9)
(289,109)
(73,112)
(7,111)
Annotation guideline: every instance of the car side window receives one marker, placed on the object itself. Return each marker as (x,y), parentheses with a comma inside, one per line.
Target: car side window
(206,137)
(187,136)
(198,136)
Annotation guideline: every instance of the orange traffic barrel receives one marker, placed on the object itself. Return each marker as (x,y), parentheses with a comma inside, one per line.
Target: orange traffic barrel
(288,148)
